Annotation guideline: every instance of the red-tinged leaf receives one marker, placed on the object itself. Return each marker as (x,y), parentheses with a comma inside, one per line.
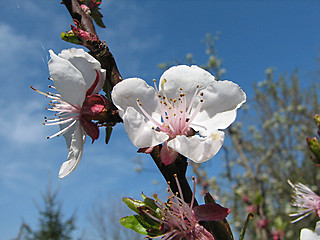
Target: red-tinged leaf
(211,212)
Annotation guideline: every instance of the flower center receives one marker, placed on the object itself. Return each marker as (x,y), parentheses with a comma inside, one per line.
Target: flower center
(176,115)
(65,112)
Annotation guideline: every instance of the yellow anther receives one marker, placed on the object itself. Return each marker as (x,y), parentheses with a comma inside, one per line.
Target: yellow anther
(138,99)
(163,82)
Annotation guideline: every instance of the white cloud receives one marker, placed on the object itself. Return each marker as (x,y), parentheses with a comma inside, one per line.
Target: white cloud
(21,122)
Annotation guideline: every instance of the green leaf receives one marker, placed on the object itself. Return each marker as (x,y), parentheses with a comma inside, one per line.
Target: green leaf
(133,204)
(314,146)
(208,198)
(317,120)
(149,202)
(134,222)
(244,228)
(70,37)
(97,17)
(107,89)
(108,134)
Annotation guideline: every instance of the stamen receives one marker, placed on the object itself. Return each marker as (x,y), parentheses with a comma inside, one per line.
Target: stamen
(63,130)
(178,185)
(192,100)
(58,122)
(148,116)
(193,192)
(196,111)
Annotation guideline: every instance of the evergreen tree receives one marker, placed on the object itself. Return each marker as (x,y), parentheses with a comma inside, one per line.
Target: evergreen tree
(51,223)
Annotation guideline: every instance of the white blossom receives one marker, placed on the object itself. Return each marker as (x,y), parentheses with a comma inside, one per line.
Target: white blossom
(185,112)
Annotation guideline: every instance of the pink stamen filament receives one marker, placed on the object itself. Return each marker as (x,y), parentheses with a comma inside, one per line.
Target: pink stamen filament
(196,111)
(175,114)
(63,109)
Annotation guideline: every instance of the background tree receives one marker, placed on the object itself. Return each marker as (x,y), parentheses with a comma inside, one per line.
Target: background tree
(52,225)
(265,147)
(104,220)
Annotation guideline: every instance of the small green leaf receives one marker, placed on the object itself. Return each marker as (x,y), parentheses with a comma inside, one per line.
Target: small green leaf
(149,202)
(244,229)
(107,89)
(108,134)
(97,17)
(317,120)
(134,222)
(70,37)
(208,198)
(133,204)
(314,146)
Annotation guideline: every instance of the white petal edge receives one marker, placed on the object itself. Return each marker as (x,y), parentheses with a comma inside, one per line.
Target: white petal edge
(75,152)
(196,148)
(126,93)
(67,79)
(140,131)
(186,77)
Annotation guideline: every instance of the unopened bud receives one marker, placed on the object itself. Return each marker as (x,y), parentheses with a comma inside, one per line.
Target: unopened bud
(314,146)
(317,121)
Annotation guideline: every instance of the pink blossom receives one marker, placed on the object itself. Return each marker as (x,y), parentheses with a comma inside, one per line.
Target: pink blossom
(181,220)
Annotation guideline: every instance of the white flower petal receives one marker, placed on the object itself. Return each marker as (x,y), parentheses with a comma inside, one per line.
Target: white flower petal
(196,148)
(307,234)
(78,138)
(221,99)
(139,131)
(317,230)
(67,79)
(87,65)
(126,93)
(185,77)
(219,121)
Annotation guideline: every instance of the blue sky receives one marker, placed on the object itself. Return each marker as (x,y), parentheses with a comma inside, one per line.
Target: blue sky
(254,35)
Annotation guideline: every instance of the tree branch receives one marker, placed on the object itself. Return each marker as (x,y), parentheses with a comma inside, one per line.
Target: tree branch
(98,49)
(179,167)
